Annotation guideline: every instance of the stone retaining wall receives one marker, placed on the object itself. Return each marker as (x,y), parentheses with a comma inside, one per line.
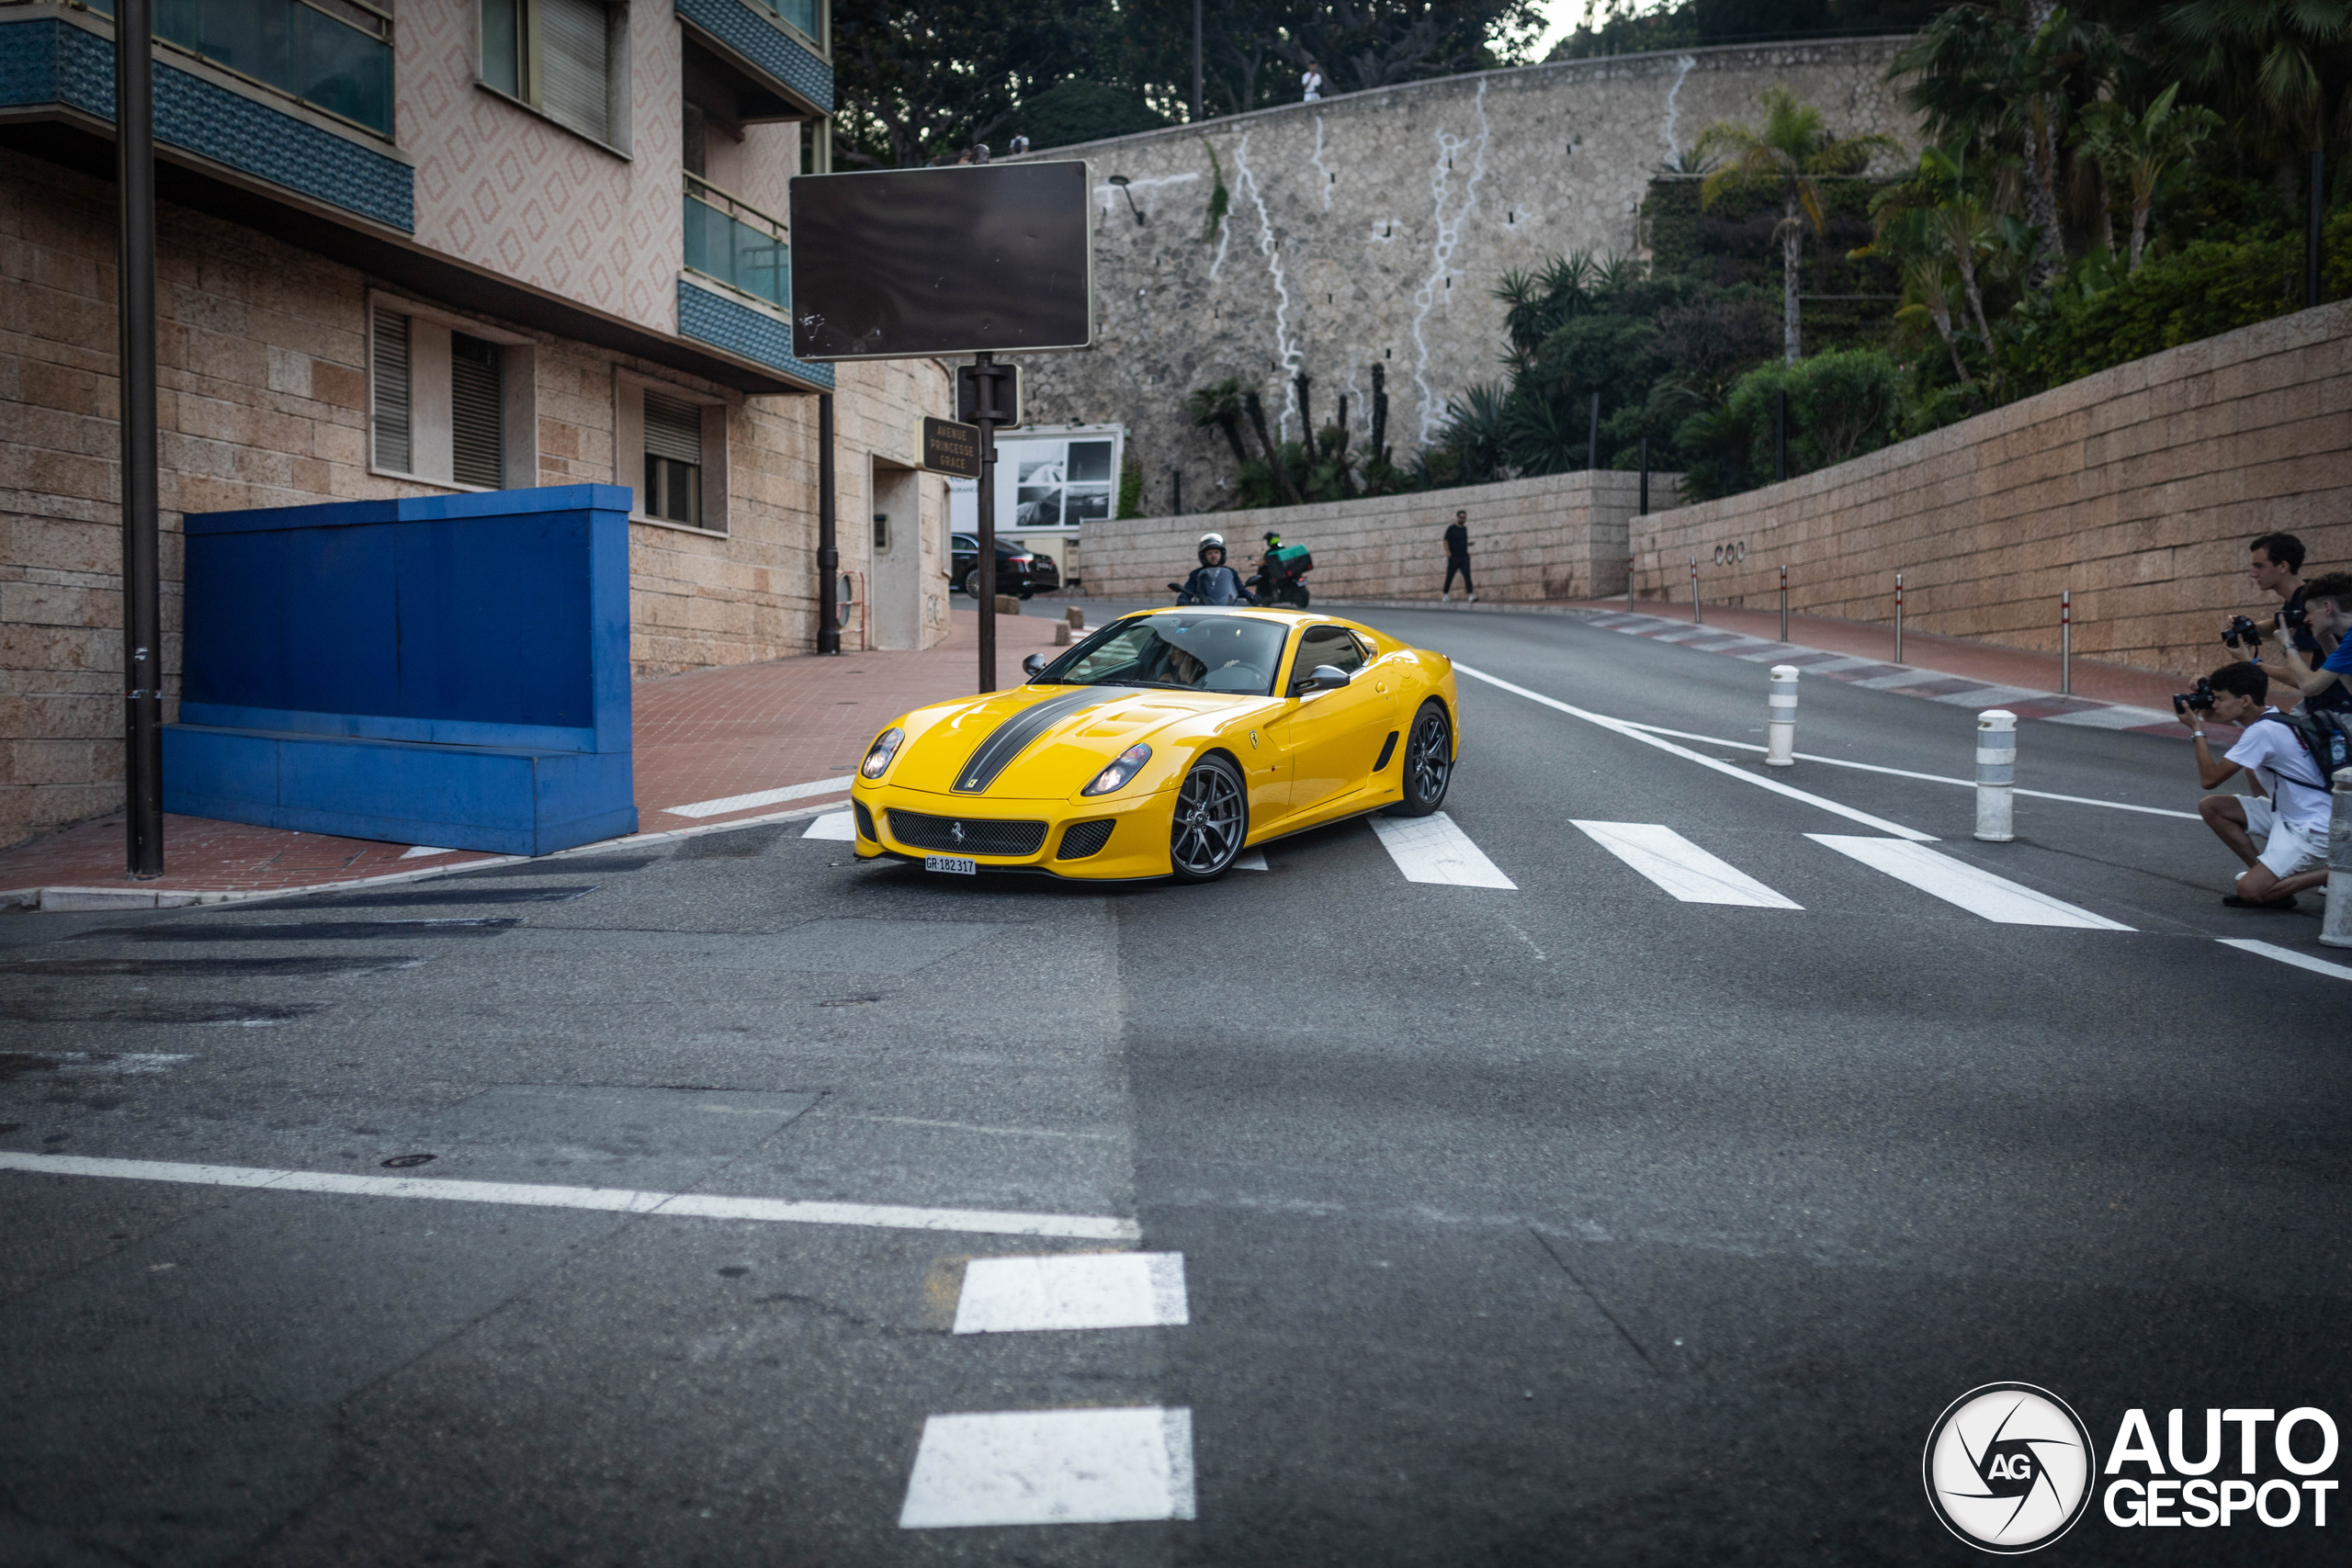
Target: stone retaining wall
(2137,489)
(1562,536)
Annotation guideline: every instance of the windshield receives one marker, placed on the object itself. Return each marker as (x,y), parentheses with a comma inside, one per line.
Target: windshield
(1194,653)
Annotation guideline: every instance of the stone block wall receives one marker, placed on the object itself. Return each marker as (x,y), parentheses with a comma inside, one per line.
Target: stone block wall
(2137,489)
(1561,536)
(262,403)
(1409,203)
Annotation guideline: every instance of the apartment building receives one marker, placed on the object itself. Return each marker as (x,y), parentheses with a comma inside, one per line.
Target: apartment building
(408,247)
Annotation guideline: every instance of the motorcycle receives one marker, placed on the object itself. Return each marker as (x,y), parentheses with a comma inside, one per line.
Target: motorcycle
(1281,575)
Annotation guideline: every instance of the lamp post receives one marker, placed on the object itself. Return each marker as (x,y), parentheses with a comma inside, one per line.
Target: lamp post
(143,623)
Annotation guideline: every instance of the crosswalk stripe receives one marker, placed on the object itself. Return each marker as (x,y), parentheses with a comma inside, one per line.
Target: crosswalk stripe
(832,825)
(1681,867)
(1073,1290)
(1432,848)
(2287,955)
(728,802)
(1956,882)
(1051,1467)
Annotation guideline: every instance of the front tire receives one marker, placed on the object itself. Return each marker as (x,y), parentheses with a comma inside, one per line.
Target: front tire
(972,583)
(1428,762)
(1210,819)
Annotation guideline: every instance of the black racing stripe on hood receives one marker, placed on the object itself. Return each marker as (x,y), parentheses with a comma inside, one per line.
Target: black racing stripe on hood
(1012,736)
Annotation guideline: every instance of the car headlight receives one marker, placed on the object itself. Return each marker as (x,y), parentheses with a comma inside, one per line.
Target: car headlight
(1129,764)
(878,755)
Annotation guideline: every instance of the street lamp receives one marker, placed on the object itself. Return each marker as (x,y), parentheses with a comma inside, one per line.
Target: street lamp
(1121,180)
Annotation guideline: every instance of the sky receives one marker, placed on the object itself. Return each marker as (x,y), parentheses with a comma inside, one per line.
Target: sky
(1566,14)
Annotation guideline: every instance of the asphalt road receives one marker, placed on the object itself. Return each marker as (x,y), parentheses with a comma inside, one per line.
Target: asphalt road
(1563,1223)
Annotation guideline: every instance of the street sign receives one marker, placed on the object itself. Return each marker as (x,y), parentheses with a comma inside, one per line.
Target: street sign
(896,263)
(988,392)
(951,448)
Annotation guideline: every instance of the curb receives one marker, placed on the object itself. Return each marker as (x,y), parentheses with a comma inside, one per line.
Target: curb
(62,899)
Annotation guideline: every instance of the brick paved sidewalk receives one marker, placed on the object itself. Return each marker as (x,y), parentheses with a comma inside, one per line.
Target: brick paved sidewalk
(734,745)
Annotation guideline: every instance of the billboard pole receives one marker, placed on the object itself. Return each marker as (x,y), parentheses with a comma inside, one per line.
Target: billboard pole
(829,554)
(985,415)
(142,631)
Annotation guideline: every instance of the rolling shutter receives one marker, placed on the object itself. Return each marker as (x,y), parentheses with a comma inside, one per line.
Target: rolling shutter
(477,450)
(575,43)
(673,429)
(395,448)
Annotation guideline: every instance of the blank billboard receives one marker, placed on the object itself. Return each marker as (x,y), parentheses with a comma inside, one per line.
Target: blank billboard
(989,258)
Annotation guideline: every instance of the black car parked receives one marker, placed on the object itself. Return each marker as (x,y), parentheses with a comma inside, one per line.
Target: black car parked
(1018,570)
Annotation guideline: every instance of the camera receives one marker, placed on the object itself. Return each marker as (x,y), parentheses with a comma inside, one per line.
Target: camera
(2201,699)
(2241,628)
(2297,617)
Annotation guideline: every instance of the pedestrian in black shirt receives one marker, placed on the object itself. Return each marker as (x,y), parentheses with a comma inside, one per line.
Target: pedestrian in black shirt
(1457,558)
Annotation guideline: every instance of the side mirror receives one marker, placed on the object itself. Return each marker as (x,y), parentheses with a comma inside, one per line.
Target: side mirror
(1034,666)
(1323,678)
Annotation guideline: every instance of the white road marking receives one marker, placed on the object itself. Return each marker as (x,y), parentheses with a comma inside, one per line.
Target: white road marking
(615,1200)
(2288,955)
(1082,1290)
(420,852)
(1628,730)
(1432,848)
(727,802)
(1051,1467)
(1908,773)
(1251,860)
(1956,882)
(834,825)
(1681,867)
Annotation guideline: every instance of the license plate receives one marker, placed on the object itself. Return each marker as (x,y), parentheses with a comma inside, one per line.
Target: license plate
(956,864)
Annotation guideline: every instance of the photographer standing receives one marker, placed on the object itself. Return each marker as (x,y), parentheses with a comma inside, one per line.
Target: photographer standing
(2275,562)
(2327,614)
(2290,814)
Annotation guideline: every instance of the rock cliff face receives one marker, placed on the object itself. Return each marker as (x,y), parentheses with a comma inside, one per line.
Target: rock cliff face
(1372,228)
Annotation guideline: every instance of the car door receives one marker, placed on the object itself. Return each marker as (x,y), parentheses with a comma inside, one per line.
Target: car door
(1334,736)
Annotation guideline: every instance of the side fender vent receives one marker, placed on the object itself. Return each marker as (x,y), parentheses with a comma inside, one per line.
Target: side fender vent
(1387,749)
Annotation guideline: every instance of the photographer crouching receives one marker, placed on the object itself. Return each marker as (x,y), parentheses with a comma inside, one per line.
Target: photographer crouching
(2288,814)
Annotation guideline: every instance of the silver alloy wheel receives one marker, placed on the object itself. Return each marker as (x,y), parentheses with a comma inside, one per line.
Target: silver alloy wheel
(1209,821)
(1426,759)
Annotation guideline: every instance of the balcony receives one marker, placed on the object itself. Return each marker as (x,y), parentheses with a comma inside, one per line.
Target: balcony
(336,56)
(781,42)
(735,243)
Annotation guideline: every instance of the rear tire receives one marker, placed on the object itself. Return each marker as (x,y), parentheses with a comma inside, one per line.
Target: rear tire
(972,583)
(1211,821)
(1428,762)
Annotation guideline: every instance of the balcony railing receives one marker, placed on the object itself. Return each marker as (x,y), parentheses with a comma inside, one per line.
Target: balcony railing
(335,55)
(805,18)
(736,243)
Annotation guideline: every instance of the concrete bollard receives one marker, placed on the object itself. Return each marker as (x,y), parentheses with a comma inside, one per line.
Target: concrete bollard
(2336,931)
(1781,719)
(1996,775)
(1075,618)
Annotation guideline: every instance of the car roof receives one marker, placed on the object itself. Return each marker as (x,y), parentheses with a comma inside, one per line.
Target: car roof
(1284,617)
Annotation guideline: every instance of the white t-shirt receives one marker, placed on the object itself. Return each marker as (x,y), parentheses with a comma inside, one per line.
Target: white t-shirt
(2266,750)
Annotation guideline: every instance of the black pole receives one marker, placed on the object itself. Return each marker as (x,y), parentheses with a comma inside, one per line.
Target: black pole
(1592,437)
(1780,434)
(142,621)
(1176,491)
(2312,229)
(828,554)
(1643,511)
(1197,61)
(986,415)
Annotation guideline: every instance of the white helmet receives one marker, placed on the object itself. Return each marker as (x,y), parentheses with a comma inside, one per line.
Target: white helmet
(1208,542)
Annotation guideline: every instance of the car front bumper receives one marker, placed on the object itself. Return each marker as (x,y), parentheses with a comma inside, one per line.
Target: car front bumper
(1136,846)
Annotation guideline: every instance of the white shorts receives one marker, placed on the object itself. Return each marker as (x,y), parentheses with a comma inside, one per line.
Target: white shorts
(2286,849)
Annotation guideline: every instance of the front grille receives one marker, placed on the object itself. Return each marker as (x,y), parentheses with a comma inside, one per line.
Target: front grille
(1086,839)
(864,822)
(980,835)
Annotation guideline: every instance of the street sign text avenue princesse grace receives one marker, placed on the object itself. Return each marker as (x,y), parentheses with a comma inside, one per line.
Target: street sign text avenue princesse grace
(951,448)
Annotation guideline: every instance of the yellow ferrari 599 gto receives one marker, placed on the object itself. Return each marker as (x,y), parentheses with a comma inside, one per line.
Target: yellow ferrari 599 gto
(1163,745)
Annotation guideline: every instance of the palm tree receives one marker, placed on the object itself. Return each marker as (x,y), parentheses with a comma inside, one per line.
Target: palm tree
(2137,149)
(2283,60)
(1937,196)
(1789,155)
(2005,74)
(1219,404)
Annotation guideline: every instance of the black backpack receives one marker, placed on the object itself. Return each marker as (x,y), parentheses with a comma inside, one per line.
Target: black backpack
(2326,738)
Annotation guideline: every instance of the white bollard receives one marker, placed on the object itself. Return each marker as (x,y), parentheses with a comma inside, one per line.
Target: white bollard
(1780,714)
(1996,774)
(2336,931)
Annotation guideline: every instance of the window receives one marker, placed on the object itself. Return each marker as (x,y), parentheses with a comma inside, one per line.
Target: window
(568,58)
(1334,646)
(807,17)
(442,400)
(335,55)
(736,243)
(672,460)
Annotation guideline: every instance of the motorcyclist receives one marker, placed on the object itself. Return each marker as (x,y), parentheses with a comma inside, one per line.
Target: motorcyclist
(1262,585)
(1214,583)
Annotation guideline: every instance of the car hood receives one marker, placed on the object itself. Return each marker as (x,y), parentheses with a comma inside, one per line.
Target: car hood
(1037,742)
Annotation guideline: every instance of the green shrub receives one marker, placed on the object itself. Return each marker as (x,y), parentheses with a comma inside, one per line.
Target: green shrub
(1840,405)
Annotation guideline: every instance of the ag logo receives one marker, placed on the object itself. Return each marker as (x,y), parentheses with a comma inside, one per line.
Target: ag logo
(2009,1467)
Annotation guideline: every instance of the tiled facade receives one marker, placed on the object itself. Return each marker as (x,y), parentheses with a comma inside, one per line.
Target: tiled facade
(263,387)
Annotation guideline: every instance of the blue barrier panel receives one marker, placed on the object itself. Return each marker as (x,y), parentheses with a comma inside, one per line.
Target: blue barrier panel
(442,670)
